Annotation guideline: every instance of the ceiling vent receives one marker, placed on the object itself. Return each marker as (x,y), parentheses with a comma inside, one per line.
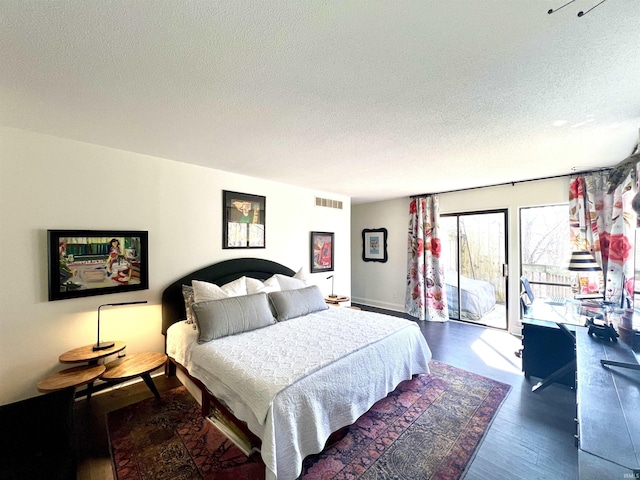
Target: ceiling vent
(327,202)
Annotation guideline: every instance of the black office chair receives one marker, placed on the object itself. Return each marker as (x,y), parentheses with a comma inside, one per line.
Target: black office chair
(527,288)
(526,299)
(526,295)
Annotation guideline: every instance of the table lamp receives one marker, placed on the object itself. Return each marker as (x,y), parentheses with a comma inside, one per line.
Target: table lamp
(582,261)
(332,294)
(106,345)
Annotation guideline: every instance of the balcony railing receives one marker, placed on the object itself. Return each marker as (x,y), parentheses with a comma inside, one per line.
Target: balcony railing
(549,280)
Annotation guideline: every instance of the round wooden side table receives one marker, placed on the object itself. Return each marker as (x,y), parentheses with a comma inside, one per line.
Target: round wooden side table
(87,354)
(337,300)
(134,365)
(83,374)
(72,377)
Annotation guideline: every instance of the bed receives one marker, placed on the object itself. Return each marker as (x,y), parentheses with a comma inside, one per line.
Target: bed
(478,297)
(294,382)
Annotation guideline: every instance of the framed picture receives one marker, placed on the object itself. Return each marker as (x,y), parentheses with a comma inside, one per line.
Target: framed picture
(243,220)
(321,252)
(374,245)
(95,262)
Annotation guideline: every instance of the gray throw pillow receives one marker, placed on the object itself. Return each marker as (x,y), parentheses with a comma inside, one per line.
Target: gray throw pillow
(228,316)
(296,303)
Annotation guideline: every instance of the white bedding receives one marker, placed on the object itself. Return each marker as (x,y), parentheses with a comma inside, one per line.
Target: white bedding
(297,381)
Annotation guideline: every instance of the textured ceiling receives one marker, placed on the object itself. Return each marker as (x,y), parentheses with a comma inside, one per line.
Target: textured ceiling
(373,100)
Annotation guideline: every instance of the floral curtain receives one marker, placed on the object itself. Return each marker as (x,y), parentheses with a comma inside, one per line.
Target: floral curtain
(603,222)
(426,296)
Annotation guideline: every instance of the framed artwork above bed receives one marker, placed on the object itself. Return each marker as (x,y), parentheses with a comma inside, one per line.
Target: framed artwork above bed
(374,245)
(321,252)
(243,220)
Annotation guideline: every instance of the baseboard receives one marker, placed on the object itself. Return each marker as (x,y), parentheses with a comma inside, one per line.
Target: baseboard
(398,310)
(378,304)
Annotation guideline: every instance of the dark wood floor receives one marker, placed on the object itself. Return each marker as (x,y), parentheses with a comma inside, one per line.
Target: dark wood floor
(92,441)
(532,435)
(530,438)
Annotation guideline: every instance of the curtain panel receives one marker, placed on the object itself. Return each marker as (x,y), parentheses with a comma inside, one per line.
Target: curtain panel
(426,297)
(603,222)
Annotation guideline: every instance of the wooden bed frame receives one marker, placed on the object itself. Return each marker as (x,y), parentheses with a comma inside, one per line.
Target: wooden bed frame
(173,310)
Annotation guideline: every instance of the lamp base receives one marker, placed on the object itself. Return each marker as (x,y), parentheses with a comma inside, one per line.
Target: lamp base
(103,346)
(333,296)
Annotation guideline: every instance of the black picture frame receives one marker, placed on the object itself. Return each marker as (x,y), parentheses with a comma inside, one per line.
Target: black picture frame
(322,249)
(374,245)
(82,263)
(243,220)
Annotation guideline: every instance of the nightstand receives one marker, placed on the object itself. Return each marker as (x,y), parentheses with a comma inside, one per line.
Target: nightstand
(87,354)
(335,301)
(72,377)
(82,374)
(135,365)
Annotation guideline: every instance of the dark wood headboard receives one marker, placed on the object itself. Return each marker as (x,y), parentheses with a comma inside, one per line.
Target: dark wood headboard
(219,273)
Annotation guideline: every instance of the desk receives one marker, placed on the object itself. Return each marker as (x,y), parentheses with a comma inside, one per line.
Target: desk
(608,410)
(548,344)
(608,404)
(567,314)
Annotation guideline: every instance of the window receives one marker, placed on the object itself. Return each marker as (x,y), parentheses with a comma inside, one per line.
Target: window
(545,248)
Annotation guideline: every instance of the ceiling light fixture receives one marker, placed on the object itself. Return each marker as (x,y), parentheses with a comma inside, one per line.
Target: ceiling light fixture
(580,13)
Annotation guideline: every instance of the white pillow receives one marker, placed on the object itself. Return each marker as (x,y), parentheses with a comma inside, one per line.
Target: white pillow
(253,285)
(301,275)
(272,284)
(203,291)
(290,283)
(257,286)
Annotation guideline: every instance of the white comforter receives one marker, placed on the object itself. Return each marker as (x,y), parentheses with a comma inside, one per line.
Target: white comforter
(296,382)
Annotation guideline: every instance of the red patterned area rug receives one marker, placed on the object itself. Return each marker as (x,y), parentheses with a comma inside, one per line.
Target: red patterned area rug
(428,428)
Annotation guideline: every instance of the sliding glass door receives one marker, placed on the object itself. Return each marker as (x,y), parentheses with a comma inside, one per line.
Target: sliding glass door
(474,253)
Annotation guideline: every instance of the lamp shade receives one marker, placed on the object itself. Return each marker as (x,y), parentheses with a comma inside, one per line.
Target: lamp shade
(583,261)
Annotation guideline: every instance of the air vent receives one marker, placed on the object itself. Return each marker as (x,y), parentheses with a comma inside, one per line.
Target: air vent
(327,202)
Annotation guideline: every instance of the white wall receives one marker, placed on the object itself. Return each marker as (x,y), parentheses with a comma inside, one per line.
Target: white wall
(376,283)
(52,183)
(383,285)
